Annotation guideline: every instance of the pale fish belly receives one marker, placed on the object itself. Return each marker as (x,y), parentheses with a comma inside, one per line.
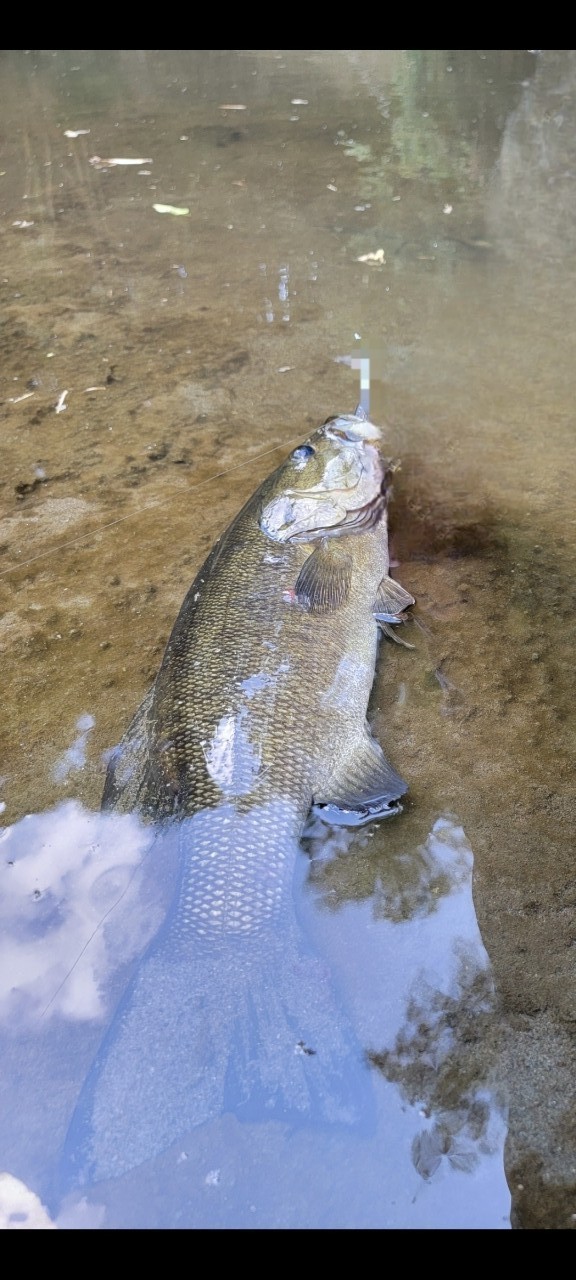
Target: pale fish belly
(352,679)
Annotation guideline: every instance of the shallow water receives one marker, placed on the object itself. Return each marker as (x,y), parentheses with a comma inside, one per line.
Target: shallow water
(195,350)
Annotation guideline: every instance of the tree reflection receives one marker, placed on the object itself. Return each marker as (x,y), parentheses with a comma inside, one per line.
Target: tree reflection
(442,1062)
(531,197)
(404,868)
(442,1049)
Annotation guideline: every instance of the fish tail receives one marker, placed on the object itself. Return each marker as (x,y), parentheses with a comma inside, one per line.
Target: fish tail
(229,1010)
(292,1055)
(254,1029)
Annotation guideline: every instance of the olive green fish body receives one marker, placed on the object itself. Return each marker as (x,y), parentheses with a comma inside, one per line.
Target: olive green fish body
(263,689)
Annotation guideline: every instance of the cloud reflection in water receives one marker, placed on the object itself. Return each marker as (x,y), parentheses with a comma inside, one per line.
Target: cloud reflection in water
(65,873)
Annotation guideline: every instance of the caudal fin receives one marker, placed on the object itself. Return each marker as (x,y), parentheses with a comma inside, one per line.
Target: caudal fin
(253,1027)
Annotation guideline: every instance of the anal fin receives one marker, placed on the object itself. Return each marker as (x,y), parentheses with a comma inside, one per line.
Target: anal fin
(363,787)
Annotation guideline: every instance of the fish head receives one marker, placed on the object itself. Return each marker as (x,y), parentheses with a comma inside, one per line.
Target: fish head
(332,484)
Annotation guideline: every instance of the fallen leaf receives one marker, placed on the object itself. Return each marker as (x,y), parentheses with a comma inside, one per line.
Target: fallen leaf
(111,163)
(377,257)
(171,208)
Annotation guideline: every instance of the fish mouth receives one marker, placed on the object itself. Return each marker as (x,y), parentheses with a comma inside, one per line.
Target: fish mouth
(351,427)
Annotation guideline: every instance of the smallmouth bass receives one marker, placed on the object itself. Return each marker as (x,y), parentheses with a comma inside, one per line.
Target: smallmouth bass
(256,717)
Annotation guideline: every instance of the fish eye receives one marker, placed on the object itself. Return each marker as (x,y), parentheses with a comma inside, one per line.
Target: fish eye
(301,455)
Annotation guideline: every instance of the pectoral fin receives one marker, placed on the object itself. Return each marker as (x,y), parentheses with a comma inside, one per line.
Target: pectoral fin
(324,580)
(362,787)
(387,631)
(390,601)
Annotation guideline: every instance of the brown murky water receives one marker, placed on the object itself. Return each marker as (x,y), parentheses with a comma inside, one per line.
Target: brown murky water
(415,208)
